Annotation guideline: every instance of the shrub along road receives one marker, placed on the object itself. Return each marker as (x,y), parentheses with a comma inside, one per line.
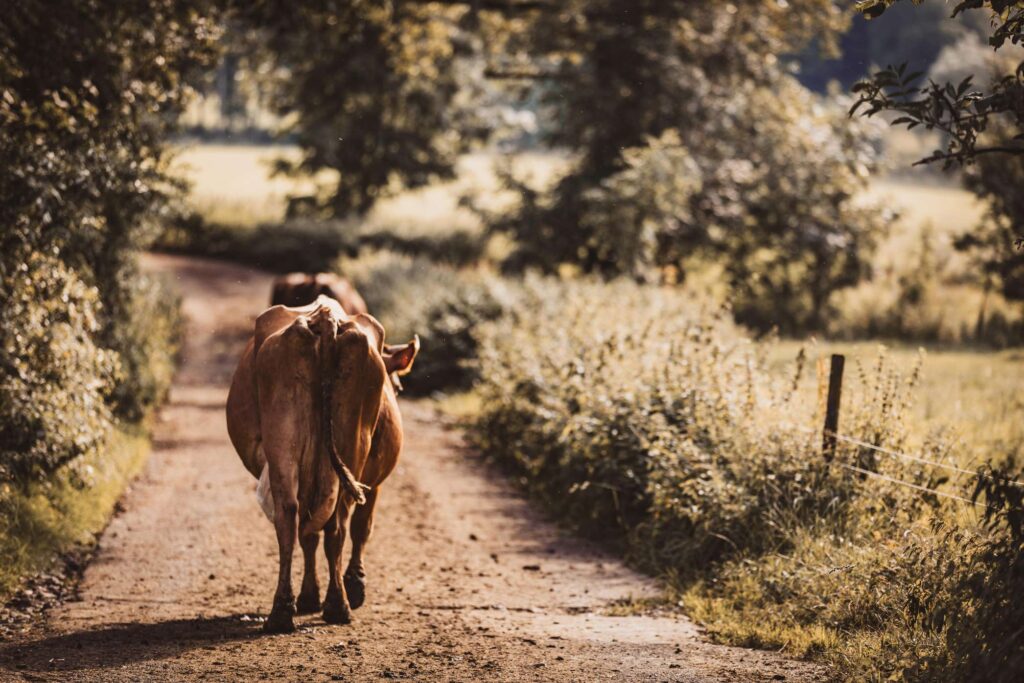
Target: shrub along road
(466,581)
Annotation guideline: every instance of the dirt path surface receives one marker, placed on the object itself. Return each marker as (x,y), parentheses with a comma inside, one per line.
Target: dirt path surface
(466,581)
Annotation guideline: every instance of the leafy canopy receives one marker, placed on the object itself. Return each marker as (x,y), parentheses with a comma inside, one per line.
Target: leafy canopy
(368,89)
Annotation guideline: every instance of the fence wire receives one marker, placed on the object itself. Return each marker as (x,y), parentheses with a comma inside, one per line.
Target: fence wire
(923,461)
(913,458)
(901,482)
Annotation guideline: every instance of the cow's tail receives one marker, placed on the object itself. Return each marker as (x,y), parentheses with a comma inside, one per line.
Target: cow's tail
(349,484)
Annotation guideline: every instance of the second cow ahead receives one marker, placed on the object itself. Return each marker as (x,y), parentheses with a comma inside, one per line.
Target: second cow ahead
(299,289)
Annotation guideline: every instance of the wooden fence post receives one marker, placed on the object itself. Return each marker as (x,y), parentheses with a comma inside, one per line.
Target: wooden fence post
(835,390)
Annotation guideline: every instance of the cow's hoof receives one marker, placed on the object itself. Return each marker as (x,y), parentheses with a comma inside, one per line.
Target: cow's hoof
(308,603)
(336,611)
(279,621)
(355,589)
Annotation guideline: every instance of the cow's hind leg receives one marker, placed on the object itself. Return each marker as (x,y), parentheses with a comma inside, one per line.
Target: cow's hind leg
(361,527)
(309,596)
(286,524)
(336,608)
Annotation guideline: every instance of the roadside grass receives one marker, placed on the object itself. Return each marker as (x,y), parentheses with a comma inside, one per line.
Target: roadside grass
(656,427)
(461,406)
(44,519)
(974,398)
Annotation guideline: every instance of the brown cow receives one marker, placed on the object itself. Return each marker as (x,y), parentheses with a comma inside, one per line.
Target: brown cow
(313,417)
(301,289)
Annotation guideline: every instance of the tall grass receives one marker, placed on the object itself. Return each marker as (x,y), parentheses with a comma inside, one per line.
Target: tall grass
(651,423)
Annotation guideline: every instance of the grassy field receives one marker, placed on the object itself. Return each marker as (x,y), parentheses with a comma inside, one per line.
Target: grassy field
(974,398)
(230,176)
(948,208)
(234,185)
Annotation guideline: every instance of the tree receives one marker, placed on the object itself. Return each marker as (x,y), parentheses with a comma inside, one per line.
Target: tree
(88,91)
(370,89)
(995,243)
(626,74)
(984,130)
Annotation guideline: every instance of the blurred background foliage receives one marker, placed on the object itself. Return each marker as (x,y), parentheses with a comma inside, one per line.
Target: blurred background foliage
(715,149)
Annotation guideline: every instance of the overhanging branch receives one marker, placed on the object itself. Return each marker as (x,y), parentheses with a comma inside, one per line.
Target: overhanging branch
(521,74)
(502,6)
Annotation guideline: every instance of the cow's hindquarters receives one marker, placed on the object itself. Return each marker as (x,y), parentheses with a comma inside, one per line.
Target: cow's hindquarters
(302,485)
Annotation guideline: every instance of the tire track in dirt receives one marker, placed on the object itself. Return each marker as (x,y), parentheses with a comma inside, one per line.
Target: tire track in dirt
(466,581)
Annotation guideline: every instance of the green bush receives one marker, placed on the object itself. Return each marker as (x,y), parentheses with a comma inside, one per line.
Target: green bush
(629,412)
(147,337)
(55,379)
(60,390)
(82,184)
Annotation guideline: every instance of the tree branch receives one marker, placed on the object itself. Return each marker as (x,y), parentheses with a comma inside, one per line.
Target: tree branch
(503,6)
(960,156)
(521,75)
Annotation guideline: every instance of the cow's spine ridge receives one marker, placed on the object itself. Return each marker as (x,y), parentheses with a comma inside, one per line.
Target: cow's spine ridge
(328,333)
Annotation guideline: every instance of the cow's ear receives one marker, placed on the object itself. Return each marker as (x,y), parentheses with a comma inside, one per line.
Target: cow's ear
(398,358)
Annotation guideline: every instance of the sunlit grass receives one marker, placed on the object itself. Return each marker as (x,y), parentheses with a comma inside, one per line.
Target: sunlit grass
(68,508)
(947,208)
(234,185)
(974,396)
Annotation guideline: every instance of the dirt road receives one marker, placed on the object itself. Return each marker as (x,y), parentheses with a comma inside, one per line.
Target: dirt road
(466,581)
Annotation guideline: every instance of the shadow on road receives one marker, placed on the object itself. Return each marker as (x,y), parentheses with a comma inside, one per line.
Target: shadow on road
(119,644)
